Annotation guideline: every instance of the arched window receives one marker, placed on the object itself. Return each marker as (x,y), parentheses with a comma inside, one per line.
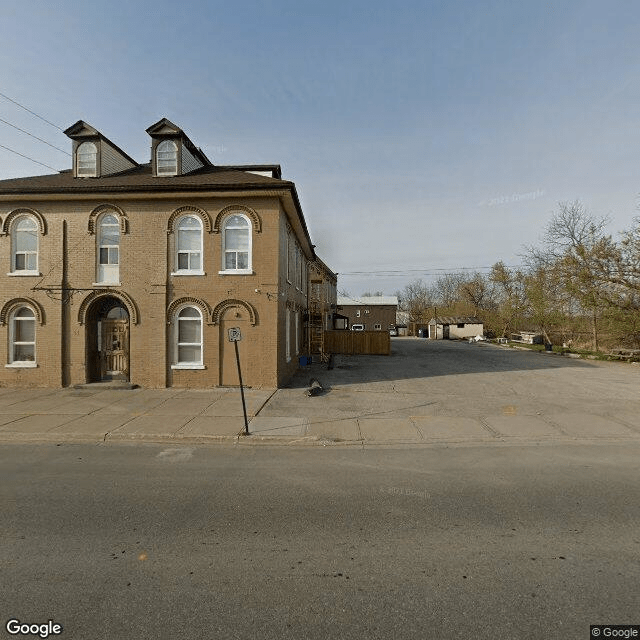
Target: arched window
(87,160)
(167,158)
(22,338)
(188,339)
(24,241)
(236,244)
(189,246)
(108,250)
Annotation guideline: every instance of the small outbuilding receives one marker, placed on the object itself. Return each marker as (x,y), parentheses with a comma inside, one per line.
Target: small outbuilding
(455,328)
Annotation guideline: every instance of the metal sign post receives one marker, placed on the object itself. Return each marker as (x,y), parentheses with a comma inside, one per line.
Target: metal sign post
(235,336)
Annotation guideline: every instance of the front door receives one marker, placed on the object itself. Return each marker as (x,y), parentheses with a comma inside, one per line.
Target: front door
(114,349)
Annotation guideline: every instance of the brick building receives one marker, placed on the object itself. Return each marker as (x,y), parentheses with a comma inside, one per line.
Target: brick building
(369,313)
(119,270)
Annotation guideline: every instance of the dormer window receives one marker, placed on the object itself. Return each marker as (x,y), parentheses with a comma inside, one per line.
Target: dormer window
(87,160)
(167,158)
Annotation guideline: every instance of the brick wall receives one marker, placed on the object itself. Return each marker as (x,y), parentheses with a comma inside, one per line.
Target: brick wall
(147,259)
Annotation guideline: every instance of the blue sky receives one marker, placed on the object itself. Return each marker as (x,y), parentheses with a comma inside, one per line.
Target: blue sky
(428,135)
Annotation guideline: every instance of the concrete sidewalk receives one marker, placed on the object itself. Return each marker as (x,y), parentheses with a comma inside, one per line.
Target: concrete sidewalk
(369,400)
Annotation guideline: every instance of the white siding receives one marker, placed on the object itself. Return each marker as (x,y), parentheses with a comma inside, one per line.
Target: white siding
(468,331)
(112,161)
(189,161)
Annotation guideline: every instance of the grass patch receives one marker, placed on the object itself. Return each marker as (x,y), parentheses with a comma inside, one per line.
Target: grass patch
(583,353)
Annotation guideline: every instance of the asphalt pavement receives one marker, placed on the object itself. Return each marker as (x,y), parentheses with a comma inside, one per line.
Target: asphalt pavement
(156,542)
(424,393)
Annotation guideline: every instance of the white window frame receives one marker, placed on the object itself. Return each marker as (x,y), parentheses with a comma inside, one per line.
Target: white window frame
(167,165)
(225,225)
(13,318)
(287,341)
(27,254)
(377,326)
(109,272)
(87,160)
(289,257)
(189,271)
(176,339)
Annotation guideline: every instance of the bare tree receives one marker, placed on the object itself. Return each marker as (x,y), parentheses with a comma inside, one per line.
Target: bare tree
(578,252)
(510,295)
(447,289)
(477,291)
(416,299)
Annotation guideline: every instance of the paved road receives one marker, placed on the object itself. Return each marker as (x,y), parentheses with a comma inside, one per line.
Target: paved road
(122,541)
(426,392)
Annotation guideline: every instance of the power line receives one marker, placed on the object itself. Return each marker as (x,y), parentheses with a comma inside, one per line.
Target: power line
(31,112)
(36,137)
(425,271)
(28,158)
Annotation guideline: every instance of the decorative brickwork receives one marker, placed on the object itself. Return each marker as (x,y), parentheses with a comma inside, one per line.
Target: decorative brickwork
(42,223)
(9,306)
(108,293)
(255,218)
(218,312)
(188,300)
(108,208)
(204,216)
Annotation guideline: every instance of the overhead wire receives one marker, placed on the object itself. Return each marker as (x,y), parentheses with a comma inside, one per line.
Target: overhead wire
(31,112)
(30,134)
(36,137)
(425,271)
(28,158)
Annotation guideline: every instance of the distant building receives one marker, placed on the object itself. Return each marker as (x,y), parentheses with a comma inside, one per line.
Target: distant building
(369,313)
(455,328)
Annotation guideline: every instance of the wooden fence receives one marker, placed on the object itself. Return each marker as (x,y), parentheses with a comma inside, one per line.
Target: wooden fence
(357,342)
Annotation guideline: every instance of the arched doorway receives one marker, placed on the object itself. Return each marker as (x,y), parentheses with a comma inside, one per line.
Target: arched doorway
(107,340)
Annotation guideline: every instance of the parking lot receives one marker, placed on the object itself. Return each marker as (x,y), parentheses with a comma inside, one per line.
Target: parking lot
(425,392)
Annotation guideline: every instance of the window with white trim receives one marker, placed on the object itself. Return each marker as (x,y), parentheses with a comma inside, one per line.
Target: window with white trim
(108,250)
(24,242)
(22,338)
(189,245)
(289,258)
(87,160)
(188,338)
(288,335)
(167,158)
(236,244)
